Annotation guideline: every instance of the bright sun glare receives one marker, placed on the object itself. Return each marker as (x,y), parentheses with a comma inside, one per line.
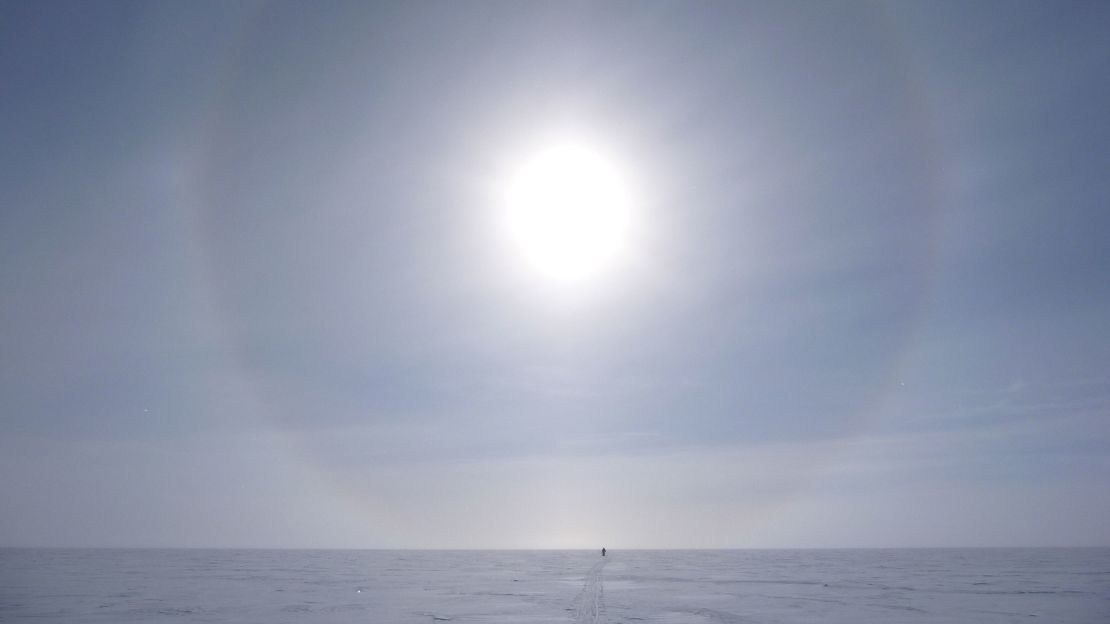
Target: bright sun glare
(568,212)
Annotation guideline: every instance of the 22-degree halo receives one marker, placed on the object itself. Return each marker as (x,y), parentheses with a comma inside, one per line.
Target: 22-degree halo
(568,212)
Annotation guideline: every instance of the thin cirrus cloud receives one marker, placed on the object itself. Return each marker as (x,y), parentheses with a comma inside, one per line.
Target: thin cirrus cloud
(255,241)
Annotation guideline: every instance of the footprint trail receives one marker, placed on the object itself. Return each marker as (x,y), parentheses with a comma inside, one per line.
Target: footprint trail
(590,607)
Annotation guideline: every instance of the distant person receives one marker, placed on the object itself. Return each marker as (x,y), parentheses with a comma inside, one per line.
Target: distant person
(602,551)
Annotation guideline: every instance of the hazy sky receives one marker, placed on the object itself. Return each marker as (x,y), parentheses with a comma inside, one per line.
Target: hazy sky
(256,288)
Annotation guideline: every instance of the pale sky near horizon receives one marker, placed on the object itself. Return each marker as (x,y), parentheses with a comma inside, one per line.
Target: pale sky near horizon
(257,290)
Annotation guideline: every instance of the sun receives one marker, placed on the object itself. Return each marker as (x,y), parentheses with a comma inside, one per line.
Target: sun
(568,212)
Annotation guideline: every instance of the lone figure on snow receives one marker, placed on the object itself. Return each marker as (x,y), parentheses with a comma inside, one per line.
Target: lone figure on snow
(602,551)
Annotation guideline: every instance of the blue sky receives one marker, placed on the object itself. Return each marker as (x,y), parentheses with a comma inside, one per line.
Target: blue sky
(256,291)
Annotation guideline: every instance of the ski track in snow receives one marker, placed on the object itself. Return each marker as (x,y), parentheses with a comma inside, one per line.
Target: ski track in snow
(590,599)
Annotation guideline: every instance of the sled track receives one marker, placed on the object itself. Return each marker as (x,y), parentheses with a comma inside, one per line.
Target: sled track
(590,608)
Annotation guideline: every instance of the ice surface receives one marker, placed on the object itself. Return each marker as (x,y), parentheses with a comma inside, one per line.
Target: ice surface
(857,586)
(837,586)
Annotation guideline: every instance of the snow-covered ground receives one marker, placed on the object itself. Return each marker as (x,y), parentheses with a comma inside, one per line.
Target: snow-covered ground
(857,586)
(837,586)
